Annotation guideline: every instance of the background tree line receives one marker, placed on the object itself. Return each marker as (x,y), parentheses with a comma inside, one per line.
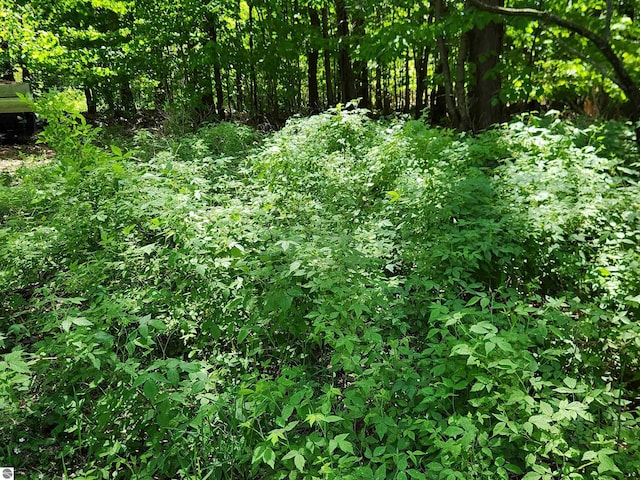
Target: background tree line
(465,64)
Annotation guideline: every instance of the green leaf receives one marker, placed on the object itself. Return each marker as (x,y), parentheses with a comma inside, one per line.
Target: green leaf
(532,476)
(394,196)
(417,475)
(461,349)
(299,461)
(82,322)
(606,464)
(604,272)
(332,418)
(381,472)
(541,421)
(379,451)
(291,425)
(472,301)
(16,363)
(499,428)
(236,250)
(453,431)
(344,445)
(173,376)
(269,457)
(635,299)
(150,390)
(482,328)
(546,409)
(243,333)
(258,453)
(116,150)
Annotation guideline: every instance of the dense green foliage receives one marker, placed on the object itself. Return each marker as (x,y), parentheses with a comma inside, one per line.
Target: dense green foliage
(344,299)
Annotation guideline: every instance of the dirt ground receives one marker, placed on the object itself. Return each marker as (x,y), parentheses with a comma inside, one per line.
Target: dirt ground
(14,156)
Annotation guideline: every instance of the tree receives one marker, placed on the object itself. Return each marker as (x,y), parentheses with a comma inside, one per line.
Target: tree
(621,74)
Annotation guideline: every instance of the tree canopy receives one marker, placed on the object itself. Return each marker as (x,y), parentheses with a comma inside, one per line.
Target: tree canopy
(466,64)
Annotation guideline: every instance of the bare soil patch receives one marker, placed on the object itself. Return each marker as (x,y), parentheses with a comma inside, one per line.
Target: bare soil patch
(15,156)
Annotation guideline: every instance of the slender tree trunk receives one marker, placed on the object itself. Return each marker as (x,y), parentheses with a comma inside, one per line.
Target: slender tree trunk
(386,94)
(239,90)
(407,90)
(421,65)
(443,51)
(331,99)
(6,69)
(252,67)
(312,55)
(229,93)
(109,98)
(217,72)
(378,104)
(395,85)
(437,99)
(92,106)
(461,98)
(347,78)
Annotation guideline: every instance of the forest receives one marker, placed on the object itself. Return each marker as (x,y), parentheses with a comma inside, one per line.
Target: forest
(321,240)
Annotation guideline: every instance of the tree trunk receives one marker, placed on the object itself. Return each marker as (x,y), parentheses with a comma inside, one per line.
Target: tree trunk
(378,87)
(421,64)
(92,107)
(347,78)
(239,92)
(486,45)
(312,55)
(331,99)
(252,67)
(461,98)
(443,51)
(6,68)
(437,102)
(217,70)
(407,91)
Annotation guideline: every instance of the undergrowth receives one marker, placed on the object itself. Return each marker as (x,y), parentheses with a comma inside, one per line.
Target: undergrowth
(344,299)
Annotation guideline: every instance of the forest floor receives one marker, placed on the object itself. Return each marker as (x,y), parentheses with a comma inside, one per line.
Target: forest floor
(14,156)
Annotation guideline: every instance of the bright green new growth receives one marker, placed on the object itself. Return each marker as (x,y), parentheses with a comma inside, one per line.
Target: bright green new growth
(343,299)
